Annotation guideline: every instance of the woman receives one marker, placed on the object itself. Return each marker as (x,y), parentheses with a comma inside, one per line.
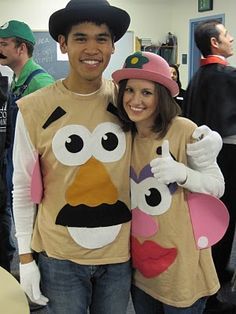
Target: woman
(171,275)
(174,70)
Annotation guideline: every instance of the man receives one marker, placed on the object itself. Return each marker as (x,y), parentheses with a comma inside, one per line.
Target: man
(16,48)
(4,142)
(83,221)
(211,100)
(82,227)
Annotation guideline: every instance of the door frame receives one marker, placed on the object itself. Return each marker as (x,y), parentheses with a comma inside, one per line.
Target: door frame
(194,53)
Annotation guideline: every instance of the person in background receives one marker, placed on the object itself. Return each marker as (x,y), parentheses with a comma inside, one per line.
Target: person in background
(171,275)
(6,252)
(211,99)
(174,70)
(16,48)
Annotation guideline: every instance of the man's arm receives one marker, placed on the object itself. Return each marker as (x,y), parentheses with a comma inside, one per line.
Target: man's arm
(205,150)
(23,208)
(25,211)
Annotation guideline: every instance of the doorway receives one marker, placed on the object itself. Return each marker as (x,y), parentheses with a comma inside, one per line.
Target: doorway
(194,53)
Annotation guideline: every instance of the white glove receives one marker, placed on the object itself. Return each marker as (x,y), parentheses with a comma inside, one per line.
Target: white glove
(166,169)
(30,280)
(204,152)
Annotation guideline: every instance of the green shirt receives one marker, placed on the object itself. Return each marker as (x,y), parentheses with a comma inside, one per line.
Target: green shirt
(38,81)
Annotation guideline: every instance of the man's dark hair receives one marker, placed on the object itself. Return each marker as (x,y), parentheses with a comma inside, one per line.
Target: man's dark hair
(98,23)
(29,45)
(203,34)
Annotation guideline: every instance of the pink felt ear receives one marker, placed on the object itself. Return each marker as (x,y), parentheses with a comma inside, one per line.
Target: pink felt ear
(36,184)
(210,219)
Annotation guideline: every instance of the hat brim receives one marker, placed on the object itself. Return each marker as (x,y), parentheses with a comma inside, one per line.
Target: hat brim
(124,74)
(116,19)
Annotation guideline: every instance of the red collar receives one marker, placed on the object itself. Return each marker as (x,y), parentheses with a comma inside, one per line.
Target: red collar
(212,59)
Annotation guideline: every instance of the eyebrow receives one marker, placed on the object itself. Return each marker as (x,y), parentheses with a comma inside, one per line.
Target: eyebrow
(143,88)
(54,116)
(104,34)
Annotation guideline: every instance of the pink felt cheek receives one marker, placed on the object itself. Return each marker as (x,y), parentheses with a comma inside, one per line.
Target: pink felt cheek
(36,184)
(142,224)
(210,219)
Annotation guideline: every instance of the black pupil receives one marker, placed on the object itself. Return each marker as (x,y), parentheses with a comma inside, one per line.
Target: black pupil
(154,198)
(74,144)
(109,141)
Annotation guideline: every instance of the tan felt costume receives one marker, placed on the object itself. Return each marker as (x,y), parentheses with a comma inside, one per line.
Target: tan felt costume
(85,156)
(169,267)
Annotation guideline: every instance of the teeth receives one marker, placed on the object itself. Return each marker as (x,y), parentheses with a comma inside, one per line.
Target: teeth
(137,109)
(90,62)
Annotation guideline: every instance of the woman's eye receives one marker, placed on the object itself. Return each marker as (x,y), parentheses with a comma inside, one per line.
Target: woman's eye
(147,93)
(128,90)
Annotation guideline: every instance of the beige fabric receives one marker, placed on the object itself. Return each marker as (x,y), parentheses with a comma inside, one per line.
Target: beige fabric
(192,274)
(87,113)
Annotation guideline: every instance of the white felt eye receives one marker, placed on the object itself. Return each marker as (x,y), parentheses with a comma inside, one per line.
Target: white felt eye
(72,145)
(108,142)
(153,198)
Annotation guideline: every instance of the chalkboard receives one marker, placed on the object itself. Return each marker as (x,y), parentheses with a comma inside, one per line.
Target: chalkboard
(46,54)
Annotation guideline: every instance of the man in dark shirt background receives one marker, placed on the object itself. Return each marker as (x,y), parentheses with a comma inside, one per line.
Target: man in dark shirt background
(211,99)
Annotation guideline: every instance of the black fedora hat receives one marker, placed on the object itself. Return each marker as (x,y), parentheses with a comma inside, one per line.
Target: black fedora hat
(75,11)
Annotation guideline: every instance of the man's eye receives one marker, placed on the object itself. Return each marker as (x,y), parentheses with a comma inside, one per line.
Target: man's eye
(80,39)
(102,39)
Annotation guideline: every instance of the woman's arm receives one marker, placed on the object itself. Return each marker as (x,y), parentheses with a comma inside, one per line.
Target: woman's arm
(208,180)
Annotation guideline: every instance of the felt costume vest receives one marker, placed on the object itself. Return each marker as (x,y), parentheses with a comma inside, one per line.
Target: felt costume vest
(85,214)
(168,265)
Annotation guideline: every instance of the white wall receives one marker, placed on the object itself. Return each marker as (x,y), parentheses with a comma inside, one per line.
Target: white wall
(185,10)
(150,18)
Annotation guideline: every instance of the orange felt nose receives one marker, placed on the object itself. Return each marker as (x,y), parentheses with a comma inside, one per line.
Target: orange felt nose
(92,186)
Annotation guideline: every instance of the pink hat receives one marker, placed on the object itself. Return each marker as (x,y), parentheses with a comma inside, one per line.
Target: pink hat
(147,66)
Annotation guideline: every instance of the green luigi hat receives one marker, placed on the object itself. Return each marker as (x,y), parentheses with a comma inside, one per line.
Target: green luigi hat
(17,29)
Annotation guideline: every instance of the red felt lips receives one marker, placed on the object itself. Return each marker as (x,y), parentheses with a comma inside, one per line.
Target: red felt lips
(150,258)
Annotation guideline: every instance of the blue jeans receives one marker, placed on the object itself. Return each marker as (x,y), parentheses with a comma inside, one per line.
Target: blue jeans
(145,304)
(73,288)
